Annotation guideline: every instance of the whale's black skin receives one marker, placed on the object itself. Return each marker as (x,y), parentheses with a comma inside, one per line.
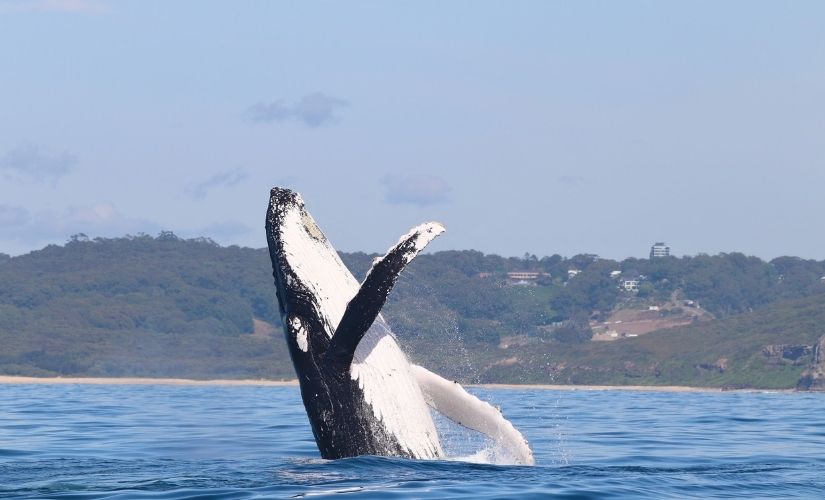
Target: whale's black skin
(342,422)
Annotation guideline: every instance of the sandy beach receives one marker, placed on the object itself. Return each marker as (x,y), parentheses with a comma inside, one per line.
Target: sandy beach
(648,388)
(8,379)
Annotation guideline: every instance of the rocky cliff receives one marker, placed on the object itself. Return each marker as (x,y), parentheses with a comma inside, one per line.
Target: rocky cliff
(813,379)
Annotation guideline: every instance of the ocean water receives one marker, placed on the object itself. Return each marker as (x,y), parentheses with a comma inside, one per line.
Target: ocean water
(131,441)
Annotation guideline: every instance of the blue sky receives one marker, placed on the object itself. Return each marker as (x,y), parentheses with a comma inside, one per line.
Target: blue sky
(541,127)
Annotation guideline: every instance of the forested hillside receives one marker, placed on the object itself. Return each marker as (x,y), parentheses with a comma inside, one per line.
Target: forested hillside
(768,348)
(140,306)
(164,306)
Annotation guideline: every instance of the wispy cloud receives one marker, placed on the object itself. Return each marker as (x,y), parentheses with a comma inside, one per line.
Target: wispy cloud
(313,110)
(70,6)
(418,190)
(221,179)
(29,162)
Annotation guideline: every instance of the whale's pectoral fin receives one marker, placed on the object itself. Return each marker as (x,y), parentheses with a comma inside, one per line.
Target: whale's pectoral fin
(452,401)
(364,307)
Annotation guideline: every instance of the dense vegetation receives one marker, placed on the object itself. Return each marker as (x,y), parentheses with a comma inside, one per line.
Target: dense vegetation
(139,306)
(163,306)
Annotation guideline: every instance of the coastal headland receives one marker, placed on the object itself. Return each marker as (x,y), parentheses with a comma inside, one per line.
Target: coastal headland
(171,308)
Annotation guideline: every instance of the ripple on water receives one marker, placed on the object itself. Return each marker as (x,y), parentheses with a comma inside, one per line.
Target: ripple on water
(255,442)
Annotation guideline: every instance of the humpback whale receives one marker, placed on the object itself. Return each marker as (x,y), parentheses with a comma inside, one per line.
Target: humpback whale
(361,394)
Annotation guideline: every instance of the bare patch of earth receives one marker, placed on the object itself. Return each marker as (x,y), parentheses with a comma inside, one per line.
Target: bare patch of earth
(625,323)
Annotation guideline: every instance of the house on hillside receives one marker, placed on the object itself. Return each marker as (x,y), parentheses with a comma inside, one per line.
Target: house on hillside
(629,285)
(525,277)
(659,249)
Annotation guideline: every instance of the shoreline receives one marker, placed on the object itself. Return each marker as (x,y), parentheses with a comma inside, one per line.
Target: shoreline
(630,388)
(14,379)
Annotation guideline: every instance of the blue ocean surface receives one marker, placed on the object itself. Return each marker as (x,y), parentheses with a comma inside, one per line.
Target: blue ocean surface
(156,441)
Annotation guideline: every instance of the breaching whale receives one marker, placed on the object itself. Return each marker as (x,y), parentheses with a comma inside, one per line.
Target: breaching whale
(361,394)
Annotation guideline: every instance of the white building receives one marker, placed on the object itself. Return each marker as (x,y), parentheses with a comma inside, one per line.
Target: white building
(630,285)
(659,249)
(525,277)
